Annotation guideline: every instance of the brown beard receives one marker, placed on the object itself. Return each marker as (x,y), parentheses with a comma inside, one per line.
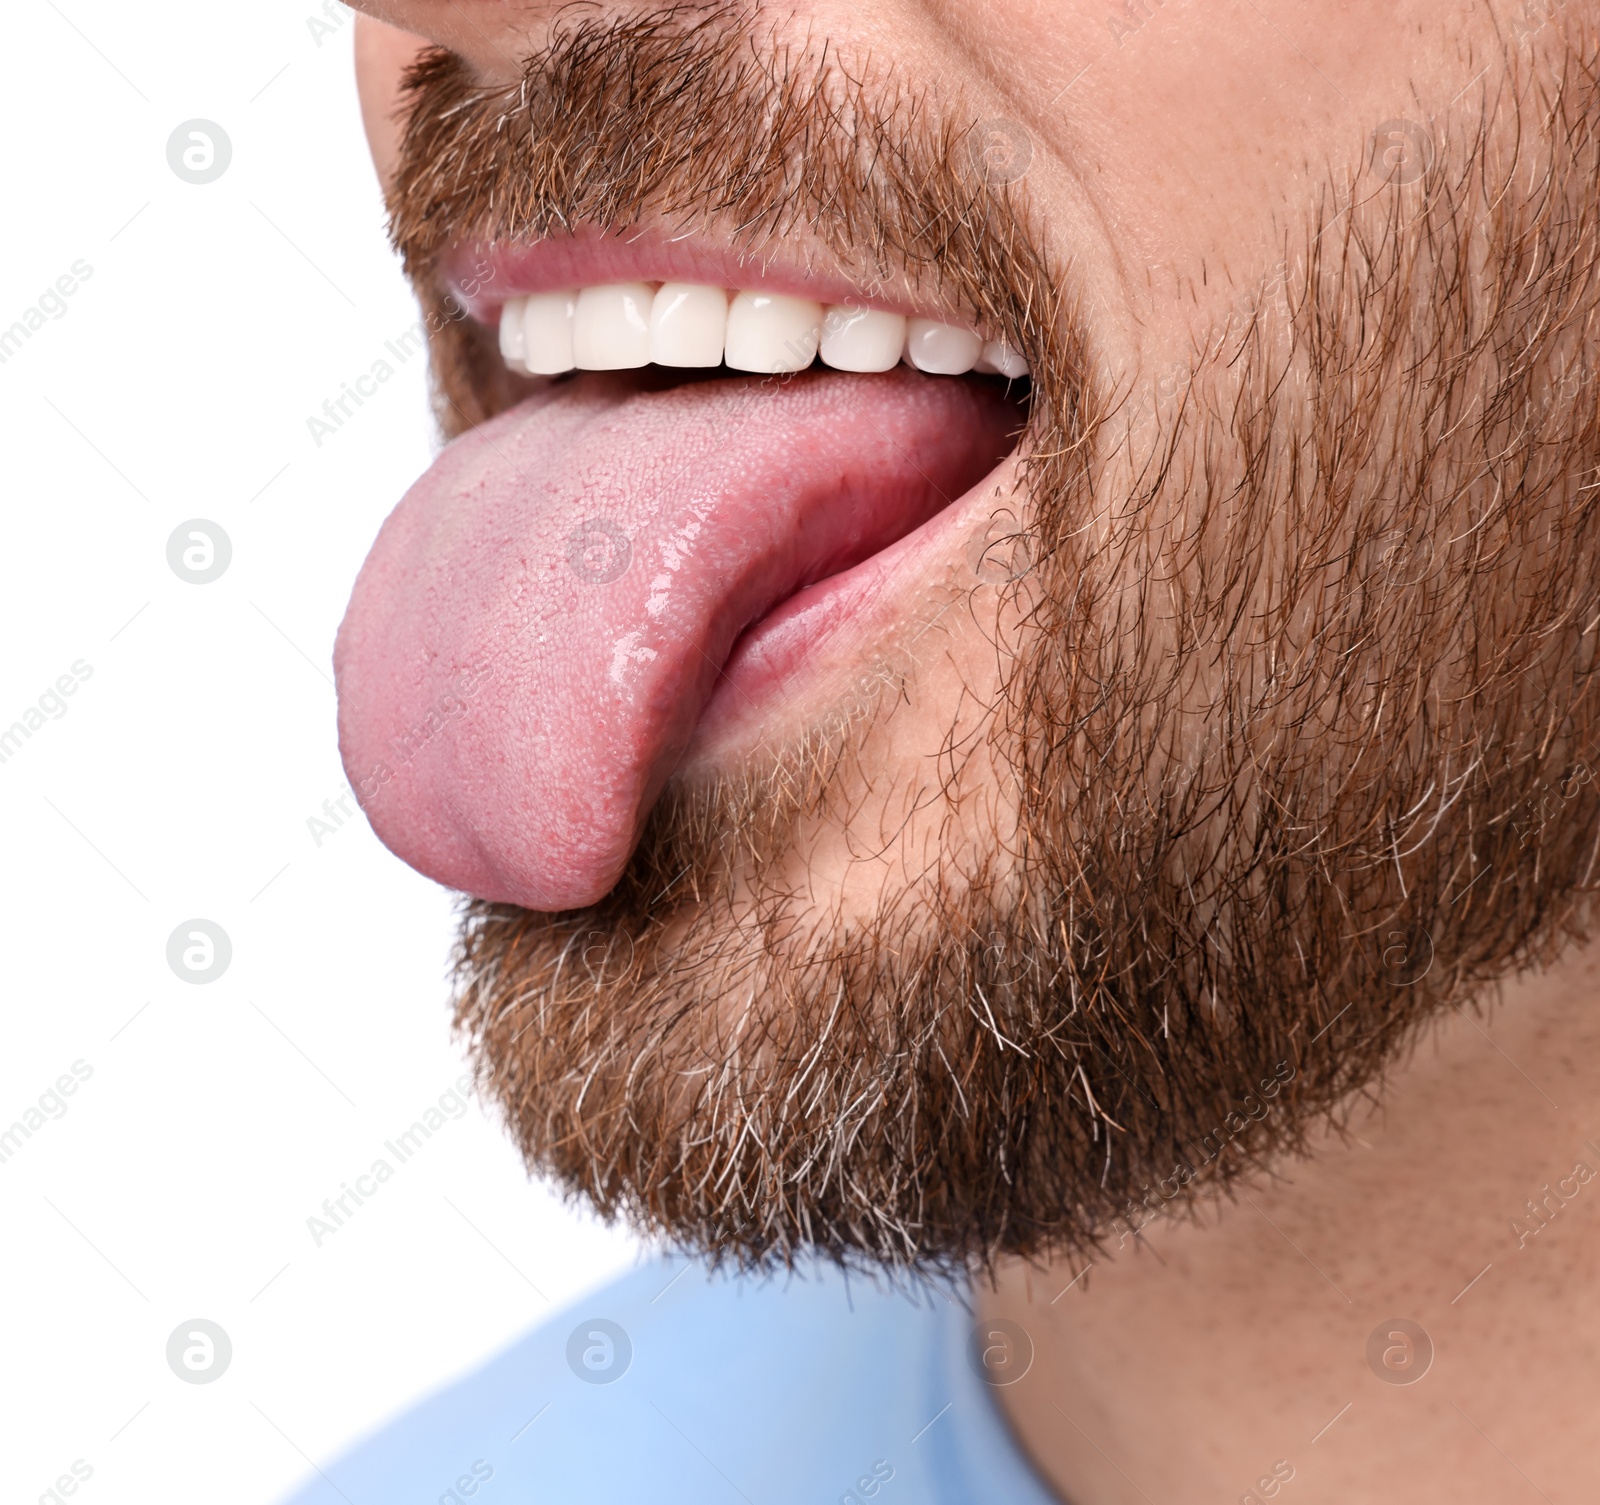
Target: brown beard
(1297,743)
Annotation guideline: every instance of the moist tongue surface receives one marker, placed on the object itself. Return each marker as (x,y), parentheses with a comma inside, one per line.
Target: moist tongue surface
(544,615)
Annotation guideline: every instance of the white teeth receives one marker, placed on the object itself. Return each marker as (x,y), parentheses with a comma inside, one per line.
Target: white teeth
(999,359)
(547,322)
(623,325)
(512,345)
(688,323)
(769,332)
(862,339)
(611,327)
(941,349)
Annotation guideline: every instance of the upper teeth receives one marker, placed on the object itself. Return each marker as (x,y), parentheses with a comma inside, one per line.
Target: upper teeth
(628,324)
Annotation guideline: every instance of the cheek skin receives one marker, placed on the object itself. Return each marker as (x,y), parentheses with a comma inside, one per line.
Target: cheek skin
(491,35)
(382,55)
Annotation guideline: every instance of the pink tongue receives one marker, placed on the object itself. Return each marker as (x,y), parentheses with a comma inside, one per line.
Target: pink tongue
(544,615)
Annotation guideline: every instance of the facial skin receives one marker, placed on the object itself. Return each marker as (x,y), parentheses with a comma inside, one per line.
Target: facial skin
(1278,751)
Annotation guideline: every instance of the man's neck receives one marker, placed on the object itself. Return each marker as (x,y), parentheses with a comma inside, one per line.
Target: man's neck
(1259,1354)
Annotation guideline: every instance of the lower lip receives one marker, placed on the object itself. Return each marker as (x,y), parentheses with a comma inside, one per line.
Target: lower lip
(844,620)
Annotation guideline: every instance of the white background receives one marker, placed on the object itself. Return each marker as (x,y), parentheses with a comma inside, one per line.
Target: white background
(179,783)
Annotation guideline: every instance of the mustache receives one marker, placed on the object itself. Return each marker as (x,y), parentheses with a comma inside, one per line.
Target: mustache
(702,122)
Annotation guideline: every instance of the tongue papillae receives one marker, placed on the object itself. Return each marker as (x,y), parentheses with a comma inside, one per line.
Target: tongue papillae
(546,613)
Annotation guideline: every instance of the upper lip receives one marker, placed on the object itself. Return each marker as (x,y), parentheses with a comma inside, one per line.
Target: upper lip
(481,277)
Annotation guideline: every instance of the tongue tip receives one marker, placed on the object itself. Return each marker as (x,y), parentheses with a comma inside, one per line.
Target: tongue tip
(521,866)
(542,896)
(520,862)
(547,886)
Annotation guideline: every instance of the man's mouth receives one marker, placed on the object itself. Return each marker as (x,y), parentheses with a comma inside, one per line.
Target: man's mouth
(681,532)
